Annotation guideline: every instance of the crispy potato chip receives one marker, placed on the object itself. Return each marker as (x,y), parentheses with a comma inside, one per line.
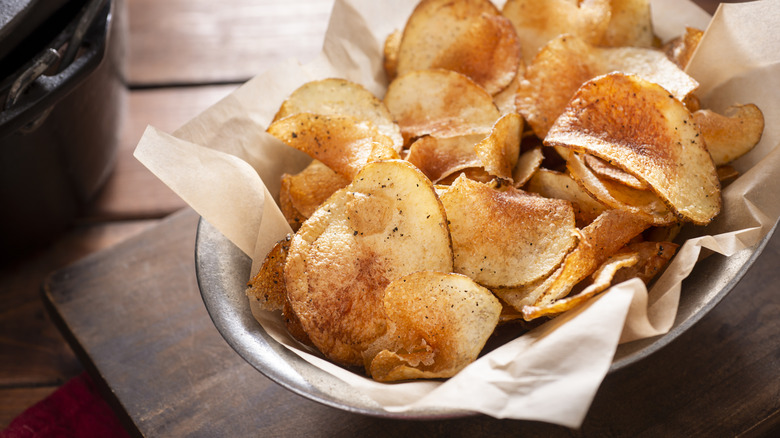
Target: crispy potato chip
(267,288)
(506,237)
(653,258)
(526,295)
(732,135)
(342,143)
(630,24)
(529,162)
(438,158)
(727,174)
(390,52)
(312,186)
(339,97)
(437,324)
(606,170)
(598,241)
(499,151)
(638,126)
(551,184)
(616,195)
(473,173)
(566,62)
(294,217)
(466,36)
(386,224)
(441,103)
(488,52)
(680,50)
(505,99)
(603,278)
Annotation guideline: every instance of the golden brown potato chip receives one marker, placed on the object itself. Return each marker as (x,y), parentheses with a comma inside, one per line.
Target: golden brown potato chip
(437,324)
(473,173)
(606,170)
(732,135)
(488,52)
(639,127)
(340,97)
(308,189)
(551,184)
(603,278)
(529,162)
(506,237)
(680,50)
(598,241)
(539,21)
(267,288)
(438,158)
(386,224)
(466,36)
(617,195)
(294,217)
(441,103)
(727,174)
(630,24)
(505,99)
(653,258)
(566,62)
(390,51)
(342,143)
(499,151)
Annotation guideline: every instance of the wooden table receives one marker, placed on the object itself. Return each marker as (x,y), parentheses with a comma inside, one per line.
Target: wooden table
(184,55)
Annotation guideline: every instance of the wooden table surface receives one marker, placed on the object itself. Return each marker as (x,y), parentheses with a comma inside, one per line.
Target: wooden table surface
(184,55)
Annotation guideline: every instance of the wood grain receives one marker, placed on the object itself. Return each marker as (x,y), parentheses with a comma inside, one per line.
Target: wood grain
(202,41)
(173,373)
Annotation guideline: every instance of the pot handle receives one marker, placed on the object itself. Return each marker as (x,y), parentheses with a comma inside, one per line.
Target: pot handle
(53,63)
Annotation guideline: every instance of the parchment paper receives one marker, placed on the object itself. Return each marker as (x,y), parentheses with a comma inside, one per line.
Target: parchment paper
(224,165)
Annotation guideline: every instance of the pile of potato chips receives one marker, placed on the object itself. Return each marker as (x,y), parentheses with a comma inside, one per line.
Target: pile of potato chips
(521,161)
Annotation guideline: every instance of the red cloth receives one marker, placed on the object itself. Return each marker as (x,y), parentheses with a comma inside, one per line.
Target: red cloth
(74,410)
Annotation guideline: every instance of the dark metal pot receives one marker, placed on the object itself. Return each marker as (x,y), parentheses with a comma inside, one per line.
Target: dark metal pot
(62,96)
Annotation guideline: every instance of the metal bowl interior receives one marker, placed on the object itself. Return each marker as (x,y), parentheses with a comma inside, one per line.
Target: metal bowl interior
(222,269)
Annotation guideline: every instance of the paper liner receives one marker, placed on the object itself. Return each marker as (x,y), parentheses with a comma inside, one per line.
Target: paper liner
(224,165)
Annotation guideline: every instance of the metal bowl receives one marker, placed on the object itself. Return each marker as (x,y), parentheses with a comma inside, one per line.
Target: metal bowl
(222,269)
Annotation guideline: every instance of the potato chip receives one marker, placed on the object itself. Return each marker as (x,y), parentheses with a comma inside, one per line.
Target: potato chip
(539,21)
(488,52)
(551,184)
(680,50)
(730,136)
(267,287)
(620,196)
(529,162)
(638,126)
(293,217)
(438,158)
(653,258)
(466,36)
(437,324)
(339,97)
(602,280)
(566,62)
(473,173)
(630,24)
(342,143)
(386,224)
(499,151)
(606,170)
(390,52)
(440,103)
(506,237)
(598,241)
(308,189)
(505,99)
